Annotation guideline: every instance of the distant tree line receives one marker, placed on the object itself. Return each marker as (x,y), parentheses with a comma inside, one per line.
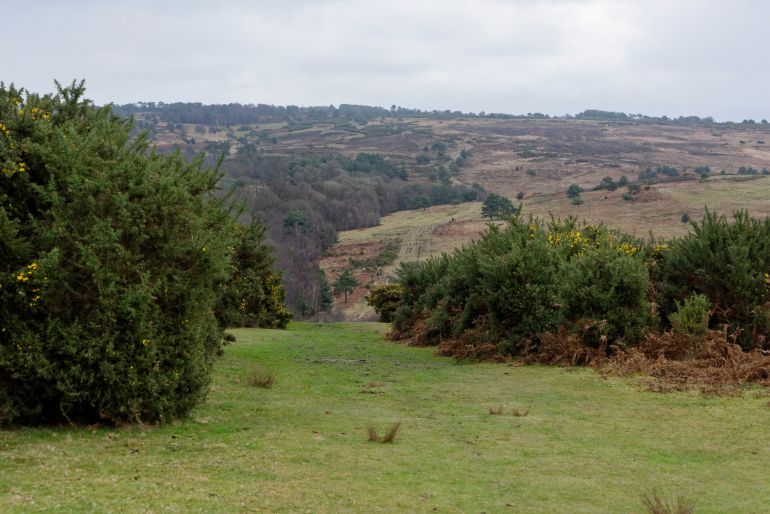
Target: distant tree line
(306,200)
(244,114)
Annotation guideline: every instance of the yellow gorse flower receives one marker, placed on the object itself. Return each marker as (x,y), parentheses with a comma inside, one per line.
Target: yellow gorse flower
(39,114)
(627,249)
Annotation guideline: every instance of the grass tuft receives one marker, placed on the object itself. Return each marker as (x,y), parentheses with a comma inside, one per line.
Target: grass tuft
(258,377)
(654,504)
(520,413)
(389,437)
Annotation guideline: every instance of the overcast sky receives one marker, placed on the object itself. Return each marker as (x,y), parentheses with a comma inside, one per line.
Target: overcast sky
(655,57)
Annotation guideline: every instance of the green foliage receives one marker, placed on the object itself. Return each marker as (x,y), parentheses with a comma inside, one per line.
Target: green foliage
(727,262)
(703,171)
(344,284)
(607,286)
(254,295)
(373,164)
(650,174)
(296,221)
(692,316)
(439,147)
(496,206)
(607,183)
(417,201)
(385,299)
(574,190)
(387,255)
(112,261)
(747,170)
(325,297)
(526,279)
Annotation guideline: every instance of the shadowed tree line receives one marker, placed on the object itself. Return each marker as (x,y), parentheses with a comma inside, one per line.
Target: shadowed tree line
(305,200)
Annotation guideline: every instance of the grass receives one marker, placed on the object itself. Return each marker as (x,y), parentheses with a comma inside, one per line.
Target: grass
(587,445)
(258,377)
(657,505)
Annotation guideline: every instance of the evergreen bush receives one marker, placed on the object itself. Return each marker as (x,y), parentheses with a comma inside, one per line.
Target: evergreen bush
(112,261)
(385,300)
(526,279)
(727,262)
(692,316)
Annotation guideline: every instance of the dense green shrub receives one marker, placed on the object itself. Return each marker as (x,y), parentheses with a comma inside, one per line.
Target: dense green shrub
(728,263)
(524,280)
(254,296)
(529,278)
(112,260)
(692,316)
(609,287)
(385,300)
(517,288)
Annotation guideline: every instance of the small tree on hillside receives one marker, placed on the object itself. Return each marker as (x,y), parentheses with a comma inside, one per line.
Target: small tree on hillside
(574,190)
(345,284)
(496,206)
(296,221)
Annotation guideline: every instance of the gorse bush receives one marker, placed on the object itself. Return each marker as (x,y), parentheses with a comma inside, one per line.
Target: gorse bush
(610,286)
(729,264)
(385,299)
(254,296)
(692,316)
(530,278)
(524,280)
(112,261)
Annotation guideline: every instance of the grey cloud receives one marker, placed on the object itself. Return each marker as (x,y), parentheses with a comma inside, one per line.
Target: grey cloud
(556,56)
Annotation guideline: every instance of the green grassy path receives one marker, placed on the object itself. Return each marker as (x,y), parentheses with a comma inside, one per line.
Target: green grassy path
(587,445)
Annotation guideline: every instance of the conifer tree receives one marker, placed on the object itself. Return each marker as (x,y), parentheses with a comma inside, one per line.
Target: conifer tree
(345,284)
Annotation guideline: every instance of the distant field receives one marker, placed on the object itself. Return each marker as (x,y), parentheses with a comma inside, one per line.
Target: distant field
(586,445)
(537,157)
